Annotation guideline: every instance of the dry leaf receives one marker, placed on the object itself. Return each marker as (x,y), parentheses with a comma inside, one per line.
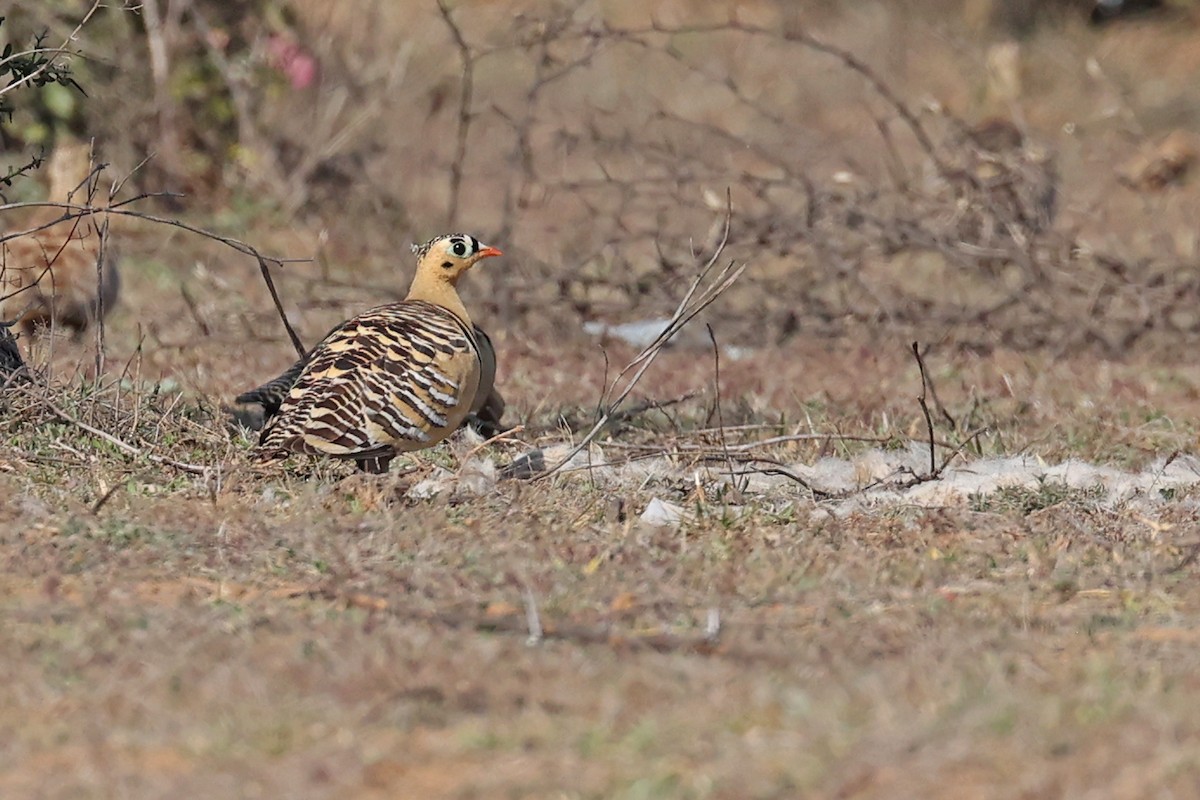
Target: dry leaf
(500,609)
(623,602)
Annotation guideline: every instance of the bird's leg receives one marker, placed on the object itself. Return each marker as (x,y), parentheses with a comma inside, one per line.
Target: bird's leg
(375,466)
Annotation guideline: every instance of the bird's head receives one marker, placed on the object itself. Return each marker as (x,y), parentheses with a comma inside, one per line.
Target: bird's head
(445,258)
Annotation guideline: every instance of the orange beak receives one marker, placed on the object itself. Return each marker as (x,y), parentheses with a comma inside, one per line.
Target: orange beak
(488,252)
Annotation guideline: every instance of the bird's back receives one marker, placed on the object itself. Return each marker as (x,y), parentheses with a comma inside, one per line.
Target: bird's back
(396,378)
(487,412)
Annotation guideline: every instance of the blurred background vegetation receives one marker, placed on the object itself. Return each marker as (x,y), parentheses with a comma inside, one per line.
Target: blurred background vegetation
(595,140)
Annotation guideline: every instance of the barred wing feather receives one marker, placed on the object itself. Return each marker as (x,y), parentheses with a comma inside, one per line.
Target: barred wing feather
(396,378)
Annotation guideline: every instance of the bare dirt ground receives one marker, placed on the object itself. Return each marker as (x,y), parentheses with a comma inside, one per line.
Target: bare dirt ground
(309,632)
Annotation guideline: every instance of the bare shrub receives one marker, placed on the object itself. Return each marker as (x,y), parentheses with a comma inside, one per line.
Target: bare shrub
(596,140)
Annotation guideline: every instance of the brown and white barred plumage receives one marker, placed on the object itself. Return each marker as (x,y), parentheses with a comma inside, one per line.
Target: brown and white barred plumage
(50,276)
(487,412)
(397,378)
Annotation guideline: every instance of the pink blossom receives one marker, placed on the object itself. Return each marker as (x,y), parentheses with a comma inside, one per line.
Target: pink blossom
(291,59)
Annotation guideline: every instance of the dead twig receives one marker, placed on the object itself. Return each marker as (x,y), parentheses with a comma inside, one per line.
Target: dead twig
(782,472)
(693,302)
(925,407)
(937,473)
(291,332)
(626,414)
(104,498)
(532,619)
(712,337)
(74,211)
(121,444)
(466,96)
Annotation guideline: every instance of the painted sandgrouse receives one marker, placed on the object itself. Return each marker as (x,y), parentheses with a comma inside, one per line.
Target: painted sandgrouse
(50,276)
(486,417)
(393,379)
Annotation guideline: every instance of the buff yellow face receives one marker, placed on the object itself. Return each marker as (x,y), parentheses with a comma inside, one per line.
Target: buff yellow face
(448,257)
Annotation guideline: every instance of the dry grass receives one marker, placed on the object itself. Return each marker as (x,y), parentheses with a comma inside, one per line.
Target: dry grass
(180,624)
(314,633)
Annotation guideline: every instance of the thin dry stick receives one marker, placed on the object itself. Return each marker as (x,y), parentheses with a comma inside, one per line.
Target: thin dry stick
(466,95)
(101,256)
(291,332)
(532,619)
(92,183)
(74,211)
(28,80)
(712,337)
(104,498)
(503,436)
(121,444)
(783,472)
(684,313)
(891,481)
(916,349)
(941,409)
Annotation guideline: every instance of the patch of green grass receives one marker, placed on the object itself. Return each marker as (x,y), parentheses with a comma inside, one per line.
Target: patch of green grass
(1024,500)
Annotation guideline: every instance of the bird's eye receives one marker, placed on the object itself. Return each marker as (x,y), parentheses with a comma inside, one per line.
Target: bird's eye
(459,249)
